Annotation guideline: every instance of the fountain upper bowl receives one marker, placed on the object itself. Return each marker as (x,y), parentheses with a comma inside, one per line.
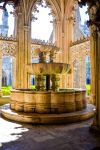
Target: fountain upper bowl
(48,68)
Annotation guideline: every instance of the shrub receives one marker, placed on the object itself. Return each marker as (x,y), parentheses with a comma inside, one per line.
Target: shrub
(6,90)
(33,87)
(88,88)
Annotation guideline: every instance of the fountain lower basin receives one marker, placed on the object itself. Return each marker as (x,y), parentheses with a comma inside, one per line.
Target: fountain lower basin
(24,100)
(29,106)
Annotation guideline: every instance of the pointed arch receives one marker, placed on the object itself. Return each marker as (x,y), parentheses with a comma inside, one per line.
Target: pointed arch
(69,8)
(54,5)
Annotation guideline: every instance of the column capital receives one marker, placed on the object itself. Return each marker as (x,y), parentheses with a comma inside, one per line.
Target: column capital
(93,10)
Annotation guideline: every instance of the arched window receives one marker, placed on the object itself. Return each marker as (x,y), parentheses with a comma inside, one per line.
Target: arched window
(7,70)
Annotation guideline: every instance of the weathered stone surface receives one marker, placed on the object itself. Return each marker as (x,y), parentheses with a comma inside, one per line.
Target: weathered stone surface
(56,118)
(14,136)
(47,102)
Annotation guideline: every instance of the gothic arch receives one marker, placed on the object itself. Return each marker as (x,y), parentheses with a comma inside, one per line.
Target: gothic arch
(54,6)
(70,8)
(70,12)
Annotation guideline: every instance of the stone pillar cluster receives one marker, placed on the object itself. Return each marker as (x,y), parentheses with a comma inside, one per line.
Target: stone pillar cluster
(24,48)
(94,23)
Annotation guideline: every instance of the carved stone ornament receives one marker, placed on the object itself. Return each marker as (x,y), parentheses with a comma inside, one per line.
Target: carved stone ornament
(79,50)
(15,2)
(8,49)
(93,10)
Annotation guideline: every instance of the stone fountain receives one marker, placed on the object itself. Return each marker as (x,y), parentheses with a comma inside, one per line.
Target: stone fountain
(48,103)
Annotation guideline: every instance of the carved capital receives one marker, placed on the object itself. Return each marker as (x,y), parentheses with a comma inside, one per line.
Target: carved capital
(94,31)
(93,10)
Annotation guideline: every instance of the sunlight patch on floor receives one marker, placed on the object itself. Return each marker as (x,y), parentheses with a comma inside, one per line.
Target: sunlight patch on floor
(10,131)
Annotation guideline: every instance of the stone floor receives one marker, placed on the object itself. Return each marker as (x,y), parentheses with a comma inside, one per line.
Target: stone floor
(15,136)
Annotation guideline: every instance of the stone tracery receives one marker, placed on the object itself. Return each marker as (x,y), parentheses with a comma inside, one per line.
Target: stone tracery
(8,49)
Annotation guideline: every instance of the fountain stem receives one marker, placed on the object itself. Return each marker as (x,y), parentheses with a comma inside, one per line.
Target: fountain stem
(55,82)
(40,83)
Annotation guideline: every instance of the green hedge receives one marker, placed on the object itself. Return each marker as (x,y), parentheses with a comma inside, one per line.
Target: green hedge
(6,90)
(33,87)
(88,88)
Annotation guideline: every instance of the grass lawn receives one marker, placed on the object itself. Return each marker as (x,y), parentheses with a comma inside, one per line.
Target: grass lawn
(4,100)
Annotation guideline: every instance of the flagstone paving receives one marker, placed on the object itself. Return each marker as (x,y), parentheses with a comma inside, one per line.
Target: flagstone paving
(15,136)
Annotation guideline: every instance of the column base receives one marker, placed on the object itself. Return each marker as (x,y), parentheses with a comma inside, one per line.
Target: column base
(95,128)
(92,99)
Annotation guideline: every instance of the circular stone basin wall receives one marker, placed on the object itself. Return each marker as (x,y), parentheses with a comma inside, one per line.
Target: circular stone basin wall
(25,100)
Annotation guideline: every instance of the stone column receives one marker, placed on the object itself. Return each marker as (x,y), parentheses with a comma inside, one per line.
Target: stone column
(94,22)
(68,37)
(24,51)
(13,72)
(93,65)
(96,73)
(19,52)
(57,32)
(98,80)
(27,48)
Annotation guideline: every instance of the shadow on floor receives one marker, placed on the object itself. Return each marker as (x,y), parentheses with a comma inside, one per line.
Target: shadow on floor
(76,136)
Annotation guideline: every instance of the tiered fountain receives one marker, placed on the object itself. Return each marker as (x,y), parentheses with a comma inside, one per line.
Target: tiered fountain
(47,103)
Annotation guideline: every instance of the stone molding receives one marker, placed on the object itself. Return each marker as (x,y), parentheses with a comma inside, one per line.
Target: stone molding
(78,48)
(6,38)
(81,40)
